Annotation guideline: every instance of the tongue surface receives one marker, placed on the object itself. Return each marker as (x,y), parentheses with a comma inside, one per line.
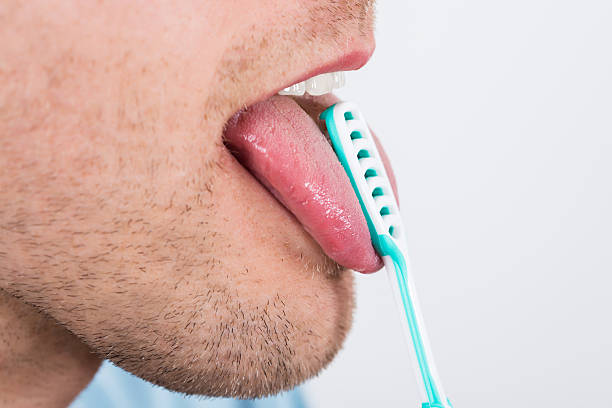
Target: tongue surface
(284,149)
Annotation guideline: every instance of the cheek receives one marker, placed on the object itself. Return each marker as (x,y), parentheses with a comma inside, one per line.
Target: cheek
(146,252)
(267,255)
(130,223)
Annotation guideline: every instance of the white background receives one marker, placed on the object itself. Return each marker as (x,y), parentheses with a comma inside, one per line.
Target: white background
(497,116)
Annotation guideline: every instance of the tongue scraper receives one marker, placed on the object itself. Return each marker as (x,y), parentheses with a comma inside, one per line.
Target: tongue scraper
(356,150)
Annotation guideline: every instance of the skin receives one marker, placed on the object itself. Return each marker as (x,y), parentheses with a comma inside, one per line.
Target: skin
(128,231)
(41,363)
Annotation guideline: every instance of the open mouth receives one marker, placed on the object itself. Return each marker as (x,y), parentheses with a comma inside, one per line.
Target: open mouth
(282,142)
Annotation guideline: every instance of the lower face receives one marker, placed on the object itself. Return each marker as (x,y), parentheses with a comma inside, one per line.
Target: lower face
(133,212)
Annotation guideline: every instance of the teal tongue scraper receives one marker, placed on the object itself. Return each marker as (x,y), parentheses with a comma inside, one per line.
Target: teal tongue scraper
(356,150)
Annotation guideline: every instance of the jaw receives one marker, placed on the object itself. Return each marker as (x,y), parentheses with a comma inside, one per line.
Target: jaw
(130,223)
(271,309)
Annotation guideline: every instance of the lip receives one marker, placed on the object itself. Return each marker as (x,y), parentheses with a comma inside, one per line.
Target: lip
(355,54)
(350,61)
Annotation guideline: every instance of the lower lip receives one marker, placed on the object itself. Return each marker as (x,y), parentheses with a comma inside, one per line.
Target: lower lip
(282,146)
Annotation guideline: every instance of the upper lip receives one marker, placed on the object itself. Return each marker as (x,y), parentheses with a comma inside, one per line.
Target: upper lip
(353,56)
(350,60)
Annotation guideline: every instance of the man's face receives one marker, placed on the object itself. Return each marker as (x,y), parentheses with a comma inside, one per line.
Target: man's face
(137,210)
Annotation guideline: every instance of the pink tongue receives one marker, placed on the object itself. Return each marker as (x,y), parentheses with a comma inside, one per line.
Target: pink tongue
(283,147)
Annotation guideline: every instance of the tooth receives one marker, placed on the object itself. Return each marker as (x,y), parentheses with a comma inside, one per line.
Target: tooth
(318,85)
(339,79)
(294,90)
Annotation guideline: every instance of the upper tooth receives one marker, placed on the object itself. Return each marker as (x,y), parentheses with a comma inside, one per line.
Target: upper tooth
(297,89)
(318,85)
(339,79)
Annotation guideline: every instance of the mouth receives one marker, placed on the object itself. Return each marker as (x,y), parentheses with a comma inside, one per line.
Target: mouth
(282,142)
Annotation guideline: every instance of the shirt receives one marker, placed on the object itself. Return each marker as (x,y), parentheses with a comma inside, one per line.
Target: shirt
(114,387)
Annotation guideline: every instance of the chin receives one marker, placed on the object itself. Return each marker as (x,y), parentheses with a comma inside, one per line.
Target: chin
(258,338)
(283,341)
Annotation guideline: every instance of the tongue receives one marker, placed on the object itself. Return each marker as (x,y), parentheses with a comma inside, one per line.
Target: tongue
(284,149)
